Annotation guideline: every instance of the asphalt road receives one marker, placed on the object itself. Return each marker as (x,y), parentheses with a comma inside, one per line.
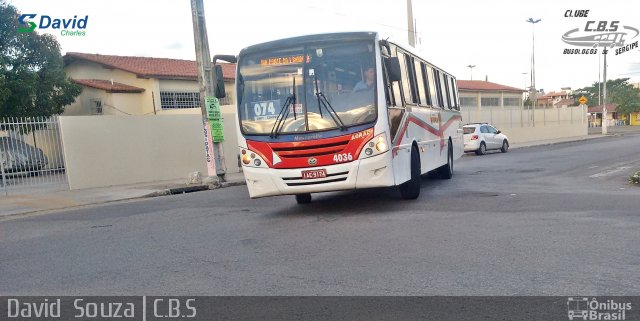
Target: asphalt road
(548,220)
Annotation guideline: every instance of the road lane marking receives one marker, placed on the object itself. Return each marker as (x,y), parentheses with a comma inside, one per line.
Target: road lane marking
(610,171)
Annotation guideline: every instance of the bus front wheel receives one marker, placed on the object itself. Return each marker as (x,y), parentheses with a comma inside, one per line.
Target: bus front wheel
(411,188)
(303,198)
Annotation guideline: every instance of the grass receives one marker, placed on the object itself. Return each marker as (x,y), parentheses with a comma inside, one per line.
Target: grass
(634,179)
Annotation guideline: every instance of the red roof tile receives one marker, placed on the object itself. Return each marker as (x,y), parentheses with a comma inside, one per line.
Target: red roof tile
(163,68)
(611,108)
(479,85)
(566,101)
(554,94)
(107,85)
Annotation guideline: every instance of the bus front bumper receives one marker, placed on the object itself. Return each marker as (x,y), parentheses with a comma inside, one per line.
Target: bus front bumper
(370,172)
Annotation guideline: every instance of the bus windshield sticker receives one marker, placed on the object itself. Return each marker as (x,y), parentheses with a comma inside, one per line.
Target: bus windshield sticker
(298,108)
(264,110)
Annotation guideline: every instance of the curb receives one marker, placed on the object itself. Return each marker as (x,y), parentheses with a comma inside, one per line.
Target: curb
(565,142)
(192,188)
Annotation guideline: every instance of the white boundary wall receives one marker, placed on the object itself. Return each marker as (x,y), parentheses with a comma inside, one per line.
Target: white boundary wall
(522,126)
(117,150)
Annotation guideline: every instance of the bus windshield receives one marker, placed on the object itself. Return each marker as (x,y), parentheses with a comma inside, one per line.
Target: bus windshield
(306,88)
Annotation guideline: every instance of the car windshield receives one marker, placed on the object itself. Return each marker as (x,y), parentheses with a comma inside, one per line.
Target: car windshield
(469,130)
(307,88)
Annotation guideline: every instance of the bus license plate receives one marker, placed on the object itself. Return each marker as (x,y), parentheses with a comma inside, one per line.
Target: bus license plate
(316,173)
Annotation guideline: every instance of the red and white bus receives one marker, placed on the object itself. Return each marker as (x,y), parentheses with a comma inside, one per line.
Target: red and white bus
(343,111)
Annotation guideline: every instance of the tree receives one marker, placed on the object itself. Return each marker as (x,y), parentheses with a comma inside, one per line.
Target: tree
(32,79)
(619,92)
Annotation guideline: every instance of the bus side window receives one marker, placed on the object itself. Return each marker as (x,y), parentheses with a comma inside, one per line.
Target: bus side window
(397,94)
(431,86)
(447,91)
(406,84)
(388,90)
(454,90)
(436,76)
(420,83)
(411,74)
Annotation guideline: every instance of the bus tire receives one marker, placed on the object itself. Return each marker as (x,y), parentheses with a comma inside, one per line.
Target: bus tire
(303,198)
(446,171)
(411,189)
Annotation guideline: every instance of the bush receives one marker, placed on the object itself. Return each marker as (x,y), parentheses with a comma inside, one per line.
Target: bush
(635,178)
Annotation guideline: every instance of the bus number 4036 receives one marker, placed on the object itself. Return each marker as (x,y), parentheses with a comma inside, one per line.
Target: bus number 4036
(344,157)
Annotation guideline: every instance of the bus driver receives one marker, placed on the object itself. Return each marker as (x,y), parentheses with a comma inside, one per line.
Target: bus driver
(367,82)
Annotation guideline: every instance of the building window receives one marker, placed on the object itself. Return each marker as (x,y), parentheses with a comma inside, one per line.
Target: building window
(469,102)
(490,102)
(179,99)
(186,99)
(511,101)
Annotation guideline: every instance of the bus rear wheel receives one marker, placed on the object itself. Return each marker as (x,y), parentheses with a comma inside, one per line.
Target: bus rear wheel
(411,188)
(303,198)
(446,171)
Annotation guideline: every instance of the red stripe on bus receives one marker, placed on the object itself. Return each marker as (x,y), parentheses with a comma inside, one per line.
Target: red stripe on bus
(422,124)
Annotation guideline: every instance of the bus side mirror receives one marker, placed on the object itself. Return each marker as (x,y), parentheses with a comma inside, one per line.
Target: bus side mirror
(393,68)
(219,82)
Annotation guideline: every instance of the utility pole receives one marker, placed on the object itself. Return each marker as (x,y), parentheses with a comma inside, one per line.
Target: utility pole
(214,151)
(604,94)
(599,82)
(411,27)
(471,68)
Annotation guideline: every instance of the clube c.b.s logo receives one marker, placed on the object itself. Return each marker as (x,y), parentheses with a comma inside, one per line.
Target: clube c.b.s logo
(594,33)
(75,26)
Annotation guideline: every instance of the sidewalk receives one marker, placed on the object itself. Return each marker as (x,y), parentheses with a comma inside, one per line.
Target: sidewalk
(615,130)
(15,204)
(556,141)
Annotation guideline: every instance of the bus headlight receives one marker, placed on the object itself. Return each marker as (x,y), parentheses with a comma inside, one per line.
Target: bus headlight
(376,146)
(251,159)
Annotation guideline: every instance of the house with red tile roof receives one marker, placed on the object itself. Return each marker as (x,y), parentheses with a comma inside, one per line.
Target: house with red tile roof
(613,117)
(129,85)
(480,94)
(556,99)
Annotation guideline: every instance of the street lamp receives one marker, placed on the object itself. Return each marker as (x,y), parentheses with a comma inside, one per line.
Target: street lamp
(532,95)
(524,74)
(533,51)
(471,68)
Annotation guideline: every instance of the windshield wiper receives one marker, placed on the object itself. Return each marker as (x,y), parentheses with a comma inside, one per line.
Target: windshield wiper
(323,101)
(284,112)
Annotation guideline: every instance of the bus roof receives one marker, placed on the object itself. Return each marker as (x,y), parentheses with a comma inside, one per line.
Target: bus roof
(363,35)
(357,35)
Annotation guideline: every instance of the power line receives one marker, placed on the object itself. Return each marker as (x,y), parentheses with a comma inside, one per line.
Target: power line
(365,18)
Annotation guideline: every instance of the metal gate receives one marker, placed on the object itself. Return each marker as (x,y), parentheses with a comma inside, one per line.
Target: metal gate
(31,155)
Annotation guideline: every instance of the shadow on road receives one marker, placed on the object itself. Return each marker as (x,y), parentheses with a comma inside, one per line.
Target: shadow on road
(369,202)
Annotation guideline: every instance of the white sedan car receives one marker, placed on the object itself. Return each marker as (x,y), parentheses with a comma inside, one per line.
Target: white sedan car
(479,138)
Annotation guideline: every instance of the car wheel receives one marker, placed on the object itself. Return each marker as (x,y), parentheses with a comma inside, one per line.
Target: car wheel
(505,146)
(303,198)
(411,189)
(482,150)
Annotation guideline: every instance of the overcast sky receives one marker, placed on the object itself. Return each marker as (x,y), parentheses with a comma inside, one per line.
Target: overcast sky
(490,34)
